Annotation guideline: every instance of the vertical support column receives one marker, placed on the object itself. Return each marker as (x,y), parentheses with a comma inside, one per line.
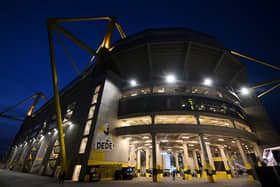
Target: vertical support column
(176,154)
(224,158)
(196,164)
(151,159)
(57,101)
(187,169)
(211,161)
(258,154)
(131,161)
(207,165)
(159,160)
(154,157)
(147,162)
(163,161)
(138,162)
(245,160)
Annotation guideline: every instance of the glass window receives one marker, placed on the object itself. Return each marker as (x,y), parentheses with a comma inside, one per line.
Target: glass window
(143,120)
(87,127)
(135,92)
(97,89)
(76,172)
(83,145)
(241,126)
(175,119)
(94,98)
(206,120)
(91,112)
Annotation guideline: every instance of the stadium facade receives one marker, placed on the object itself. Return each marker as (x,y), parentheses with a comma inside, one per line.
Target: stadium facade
(159,100)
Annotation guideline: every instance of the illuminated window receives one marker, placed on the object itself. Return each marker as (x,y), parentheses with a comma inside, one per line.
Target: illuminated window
(91,112)
(97,89)
(175,119)
(135,92)
(76,172)
(87,127)
(83,145)
(143,120)
(241,126)
(206,120)
(94,98)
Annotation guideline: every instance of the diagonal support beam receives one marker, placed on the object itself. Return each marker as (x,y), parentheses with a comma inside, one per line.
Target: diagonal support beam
(75,19)
(265,84)
(73,38)
(10,117)
(268,91)
(255,60)
(219,62)
(118,26)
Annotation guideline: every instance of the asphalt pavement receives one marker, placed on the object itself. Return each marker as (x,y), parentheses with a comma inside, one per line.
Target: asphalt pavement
(18,179)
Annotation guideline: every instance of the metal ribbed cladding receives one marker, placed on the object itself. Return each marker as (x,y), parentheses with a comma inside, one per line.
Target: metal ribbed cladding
(179,128)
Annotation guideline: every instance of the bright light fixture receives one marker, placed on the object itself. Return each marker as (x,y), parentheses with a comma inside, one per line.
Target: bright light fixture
(221,139)
(207,82)
(244,91)
(170,78)
(164,140)
(133,83)
(145,137)
(185,137)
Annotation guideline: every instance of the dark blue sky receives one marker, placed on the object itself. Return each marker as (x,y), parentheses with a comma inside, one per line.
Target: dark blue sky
(248,26)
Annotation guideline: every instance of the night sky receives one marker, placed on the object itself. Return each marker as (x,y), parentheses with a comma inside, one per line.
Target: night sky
(247,26)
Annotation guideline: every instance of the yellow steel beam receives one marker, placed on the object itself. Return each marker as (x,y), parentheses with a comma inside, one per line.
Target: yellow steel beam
(11,117)
(36,100)
(57,99)
(73,38)
(265,84)
(74,19)
(255,60)
(118,26)
(269,90)
(108,35)
(68,54)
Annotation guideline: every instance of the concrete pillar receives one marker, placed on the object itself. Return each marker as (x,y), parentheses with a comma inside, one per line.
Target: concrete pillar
(196,163)
(245,160)
(131,161)
(159,159)
(150,158)
(258,153)
(138,162)
(225,161)
(187,169)
(163,161)
(154,157)
(176,155)
(147,162)
(208,165)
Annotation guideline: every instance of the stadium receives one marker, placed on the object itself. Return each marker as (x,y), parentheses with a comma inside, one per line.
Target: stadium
(155,102)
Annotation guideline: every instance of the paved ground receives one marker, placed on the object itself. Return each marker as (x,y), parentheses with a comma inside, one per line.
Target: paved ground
(17,179)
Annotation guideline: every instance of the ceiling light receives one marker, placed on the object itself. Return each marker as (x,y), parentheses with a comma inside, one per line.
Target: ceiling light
(207,82)
(170,79)
(133,83)
(244,91)
(221,139)
(185,137)
(145,137)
